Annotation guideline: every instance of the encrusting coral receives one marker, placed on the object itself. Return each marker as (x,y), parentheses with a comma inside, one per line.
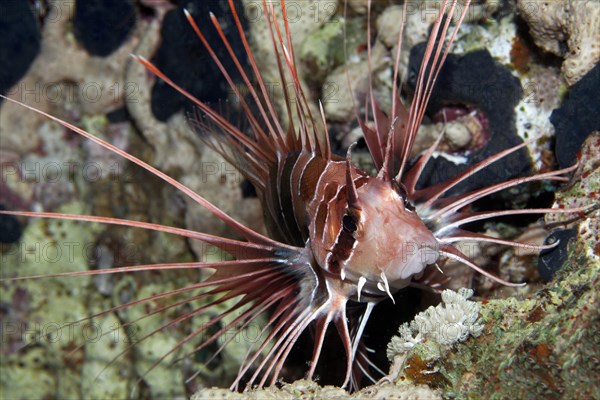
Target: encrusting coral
(304,389)
(574,23)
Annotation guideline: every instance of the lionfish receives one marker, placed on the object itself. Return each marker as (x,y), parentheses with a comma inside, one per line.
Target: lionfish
(338,237)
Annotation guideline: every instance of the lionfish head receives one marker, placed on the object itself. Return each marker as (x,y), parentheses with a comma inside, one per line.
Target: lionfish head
(383,254)
(367,250)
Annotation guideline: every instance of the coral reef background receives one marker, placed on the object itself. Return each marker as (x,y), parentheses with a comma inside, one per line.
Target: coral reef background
(538,60)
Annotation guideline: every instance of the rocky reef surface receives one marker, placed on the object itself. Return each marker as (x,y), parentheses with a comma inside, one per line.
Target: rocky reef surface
(544,333)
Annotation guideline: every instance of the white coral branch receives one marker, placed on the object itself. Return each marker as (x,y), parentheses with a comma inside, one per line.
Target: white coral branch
(449,322)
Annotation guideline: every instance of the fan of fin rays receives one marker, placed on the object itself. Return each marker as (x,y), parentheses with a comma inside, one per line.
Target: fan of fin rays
(266,274)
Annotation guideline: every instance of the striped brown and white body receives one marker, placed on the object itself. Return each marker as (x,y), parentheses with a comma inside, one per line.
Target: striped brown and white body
(337,235)
(307,204)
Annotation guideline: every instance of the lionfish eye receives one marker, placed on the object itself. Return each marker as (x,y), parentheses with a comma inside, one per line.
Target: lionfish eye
(401,190)
(349,223)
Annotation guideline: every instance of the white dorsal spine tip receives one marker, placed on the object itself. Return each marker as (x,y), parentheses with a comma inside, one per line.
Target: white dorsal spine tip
(361,282)
(285,51)
(386,287)
(438,268)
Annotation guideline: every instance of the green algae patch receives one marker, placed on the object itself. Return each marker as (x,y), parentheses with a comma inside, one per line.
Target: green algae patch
(45,322)
(323,50)
(548,340)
